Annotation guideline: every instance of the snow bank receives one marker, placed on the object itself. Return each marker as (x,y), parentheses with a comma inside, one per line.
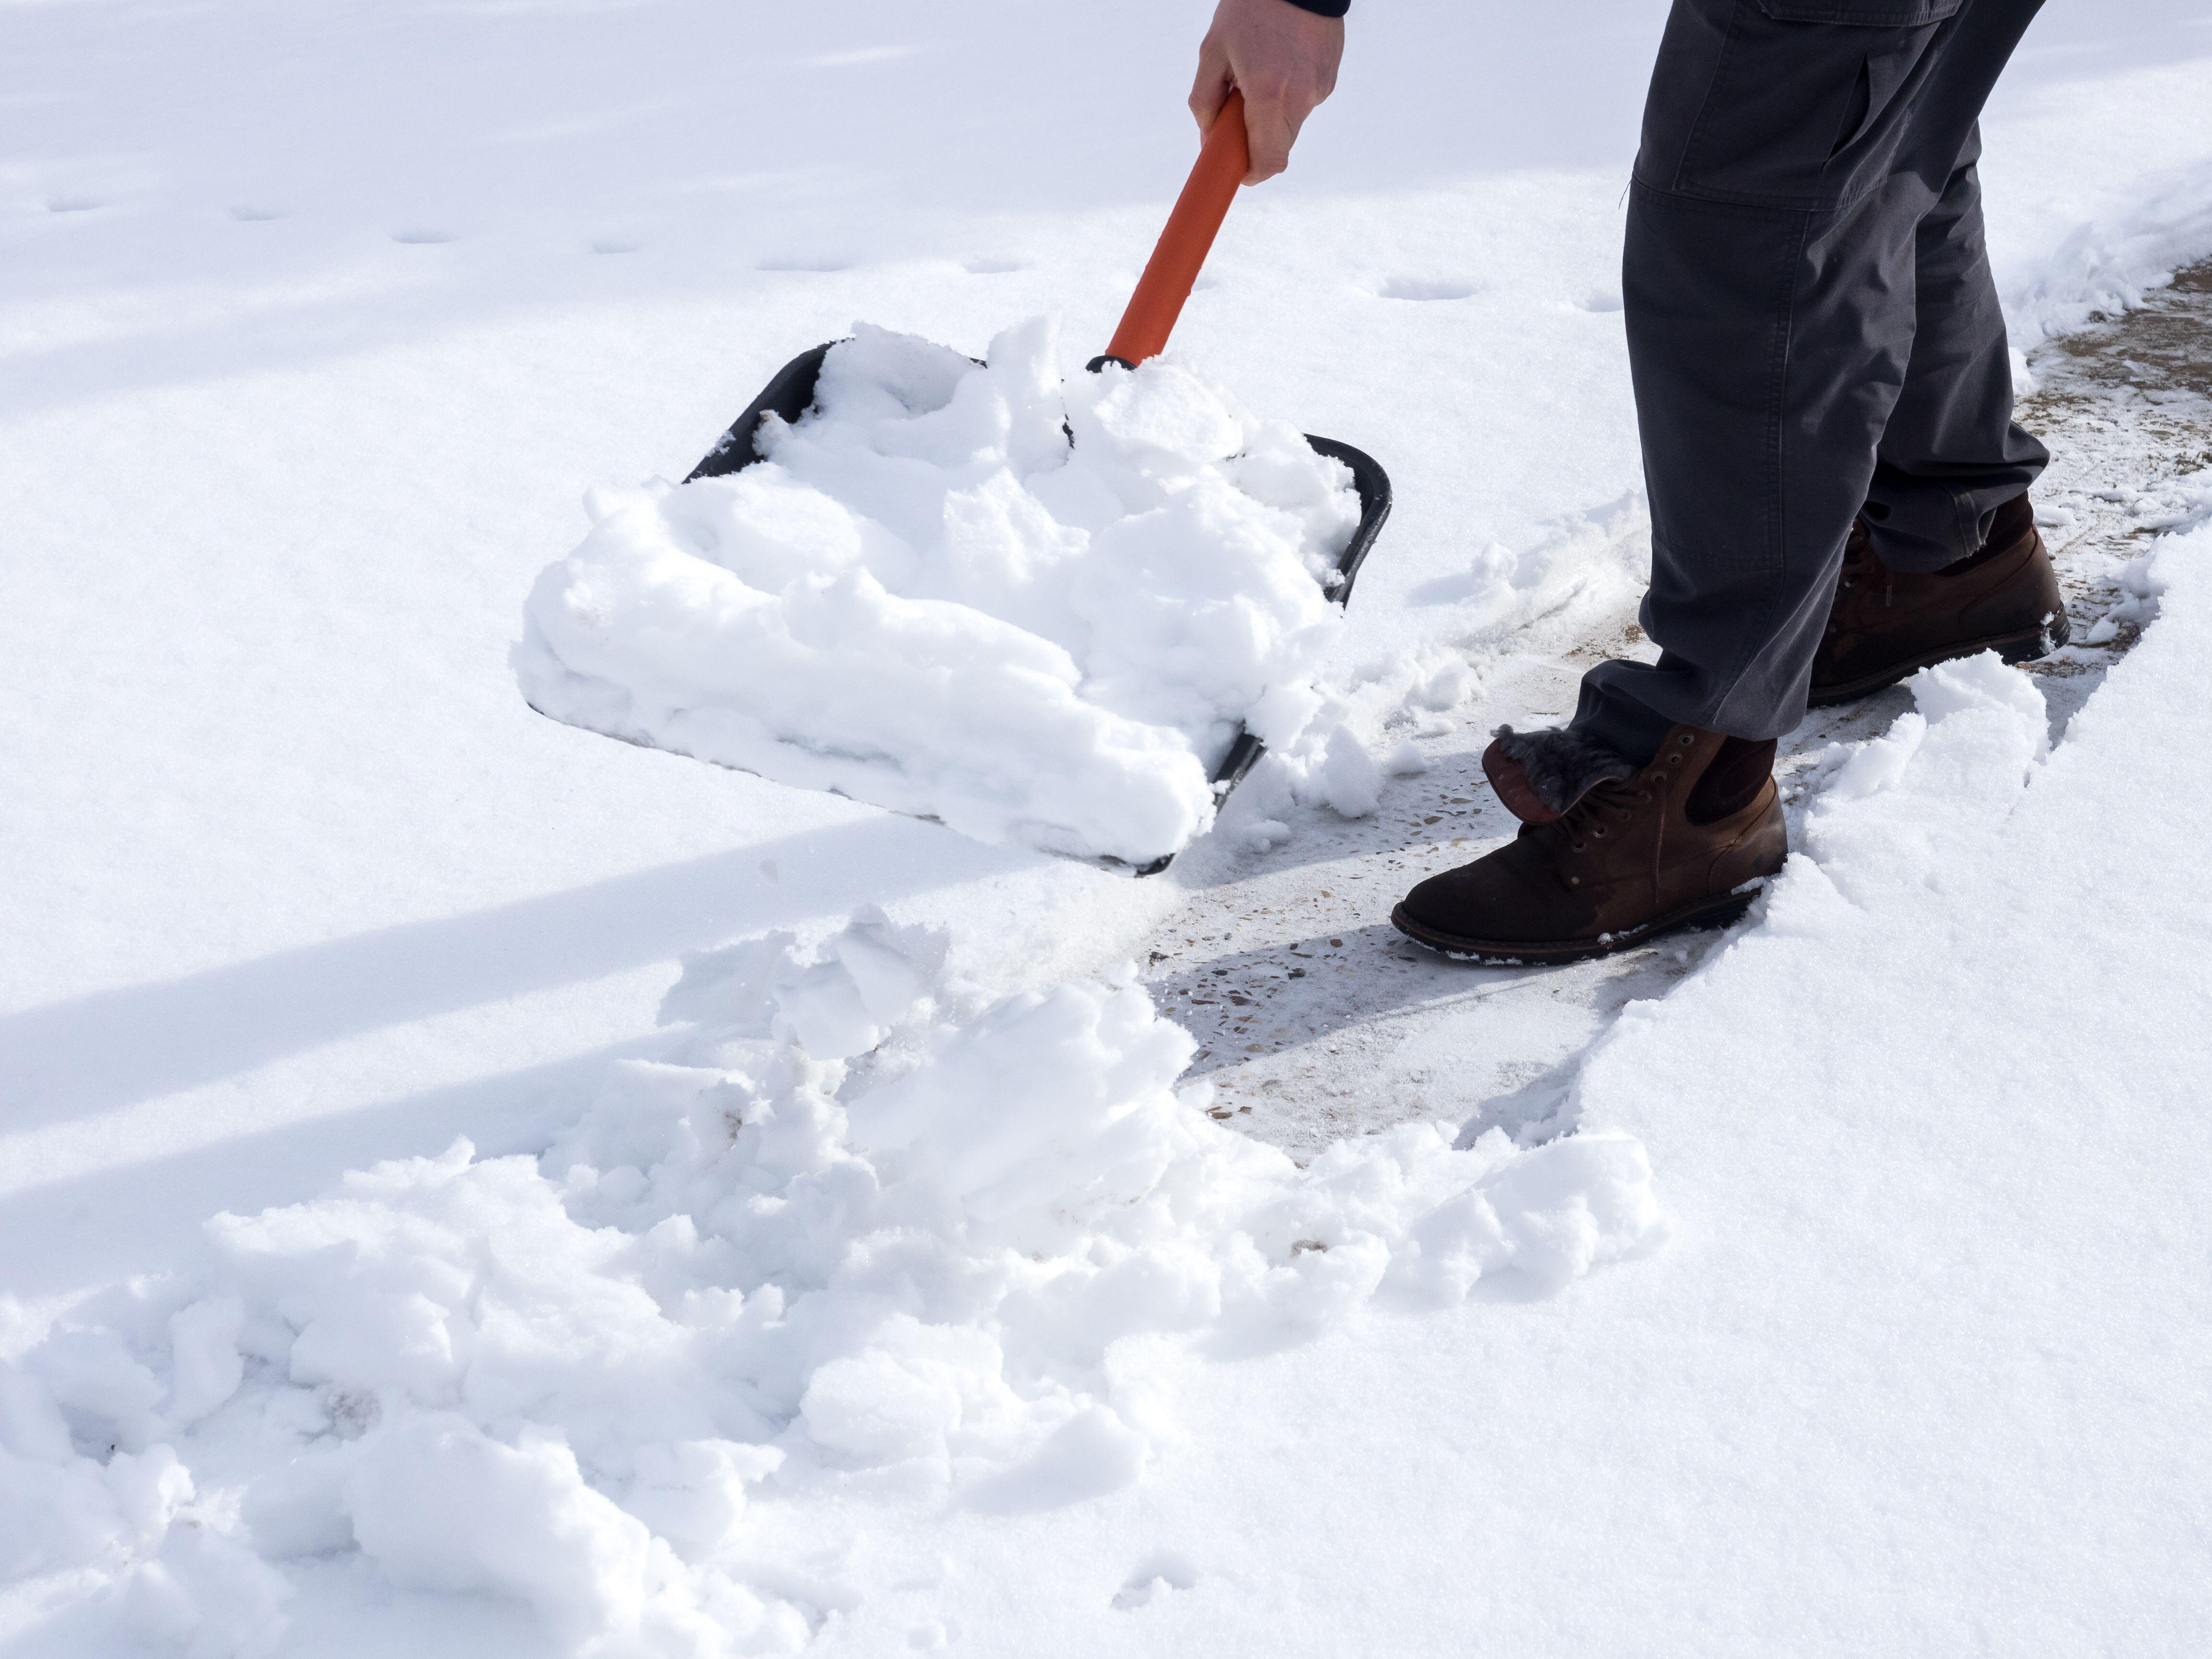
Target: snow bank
(1956,880)
(1892,825)
(851,1235)
(1037,611)
(2105,266)
(2088,209)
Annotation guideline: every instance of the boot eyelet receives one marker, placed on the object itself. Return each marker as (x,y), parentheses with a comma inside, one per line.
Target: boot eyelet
(1685,739)
(1598,829)
(1673,760)
(1581,846)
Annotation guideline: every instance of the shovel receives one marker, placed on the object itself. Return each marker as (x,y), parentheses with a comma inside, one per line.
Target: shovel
(1223,161)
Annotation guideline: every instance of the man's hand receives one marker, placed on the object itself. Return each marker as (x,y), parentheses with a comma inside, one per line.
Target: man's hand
(1282,57)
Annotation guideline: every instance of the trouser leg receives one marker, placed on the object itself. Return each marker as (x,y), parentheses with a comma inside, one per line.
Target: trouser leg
(1770,271)
(1951,454)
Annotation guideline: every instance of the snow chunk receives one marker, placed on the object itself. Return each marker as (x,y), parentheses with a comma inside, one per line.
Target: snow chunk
(1405,761)
(1037,612)
(439,1505)
(1350,782)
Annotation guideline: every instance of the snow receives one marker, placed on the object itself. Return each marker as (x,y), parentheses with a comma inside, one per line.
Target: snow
(2084,216)
(842,1236)
(1037,612)
(380,1277)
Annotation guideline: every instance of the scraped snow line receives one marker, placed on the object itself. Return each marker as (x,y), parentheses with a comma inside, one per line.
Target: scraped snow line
(1315,1019)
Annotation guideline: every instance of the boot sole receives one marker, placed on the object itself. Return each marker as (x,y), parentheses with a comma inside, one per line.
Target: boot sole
(1705,913)
(2037,641)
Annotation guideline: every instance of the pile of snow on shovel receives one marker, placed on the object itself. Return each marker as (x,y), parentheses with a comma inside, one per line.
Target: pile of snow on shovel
(855,1238)
(1038,610)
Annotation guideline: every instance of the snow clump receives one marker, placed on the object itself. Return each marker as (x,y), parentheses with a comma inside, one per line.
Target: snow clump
(854,1238)
(1039,612)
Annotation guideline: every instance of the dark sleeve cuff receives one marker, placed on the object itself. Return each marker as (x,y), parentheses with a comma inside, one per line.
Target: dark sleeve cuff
(1323,8)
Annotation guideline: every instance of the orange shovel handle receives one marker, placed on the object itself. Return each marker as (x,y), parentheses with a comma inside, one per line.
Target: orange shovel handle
(1223,161)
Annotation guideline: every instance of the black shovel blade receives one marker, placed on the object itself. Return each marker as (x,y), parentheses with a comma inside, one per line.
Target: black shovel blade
(791,394)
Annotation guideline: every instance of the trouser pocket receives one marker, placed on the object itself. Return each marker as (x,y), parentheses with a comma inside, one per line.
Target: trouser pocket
(1783,103)
(1879,13)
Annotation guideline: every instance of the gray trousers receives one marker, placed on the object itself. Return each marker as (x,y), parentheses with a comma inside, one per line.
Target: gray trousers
(1813,332)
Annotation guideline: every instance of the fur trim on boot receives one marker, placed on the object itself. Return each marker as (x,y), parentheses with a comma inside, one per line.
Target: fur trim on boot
(1541,774)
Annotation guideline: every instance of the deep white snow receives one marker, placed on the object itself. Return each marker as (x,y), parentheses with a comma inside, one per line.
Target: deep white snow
(471,1186)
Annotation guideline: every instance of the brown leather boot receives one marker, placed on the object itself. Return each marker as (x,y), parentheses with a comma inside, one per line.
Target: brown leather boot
(1685,841)
(1886,623)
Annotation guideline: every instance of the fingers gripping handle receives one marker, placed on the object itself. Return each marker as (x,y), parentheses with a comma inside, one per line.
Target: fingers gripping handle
(1223,161)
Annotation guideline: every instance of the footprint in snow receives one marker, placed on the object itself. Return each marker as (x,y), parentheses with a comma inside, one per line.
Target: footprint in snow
(1427,287)
(420,237)
(806,264)
(989,266)
(1599,300)
(73,203)
(1156,1576)
(614,245)
(259,216)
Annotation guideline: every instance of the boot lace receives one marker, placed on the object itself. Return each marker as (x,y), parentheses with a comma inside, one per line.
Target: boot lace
(1603,803)
(1615,800)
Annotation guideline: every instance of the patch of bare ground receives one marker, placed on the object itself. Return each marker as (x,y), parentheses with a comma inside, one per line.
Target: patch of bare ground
(2126,406)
